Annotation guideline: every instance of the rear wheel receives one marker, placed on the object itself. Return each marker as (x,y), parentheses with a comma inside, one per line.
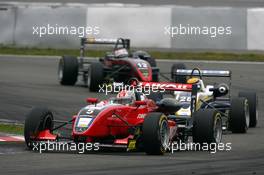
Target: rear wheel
(239,115)
(174,77)
(207,126)
(38,119)
(252,102)
(155,133)
(95,76)
(68,70)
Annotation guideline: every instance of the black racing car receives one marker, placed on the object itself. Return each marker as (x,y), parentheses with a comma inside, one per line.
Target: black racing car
(119,65)
(238,112)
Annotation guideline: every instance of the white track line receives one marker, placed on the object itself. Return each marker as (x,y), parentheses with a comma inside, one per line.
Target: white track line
(18,137)
(211,62)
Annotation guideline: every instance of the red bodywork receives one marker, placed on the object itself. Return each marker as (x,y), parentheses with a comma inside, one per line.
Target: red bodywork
(116,119)
(133,64)
(106,123)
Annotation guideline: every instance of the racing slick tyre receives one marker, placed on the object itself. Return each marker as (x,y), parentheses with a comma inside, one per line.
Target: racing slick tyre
(207,126)
(239,115)
(68,70)
(175,78)
(155,133)
(38,119)
(252,102)
(95,76)
(155,96)
(151,61)
(155,75)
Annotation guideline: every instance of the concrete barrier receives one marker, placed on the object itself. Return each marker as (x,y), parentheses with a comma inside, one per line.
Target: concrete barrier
(255,29)
(29,17)
(210,17)
(145,25)
(7,25)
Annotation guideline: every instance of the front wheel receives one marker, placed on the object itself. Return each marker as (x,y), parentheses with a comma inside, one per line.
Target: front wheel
(155,75)
(95,76)
(253,103)
(155,96)
(38,119)
(151,61)
(155,133)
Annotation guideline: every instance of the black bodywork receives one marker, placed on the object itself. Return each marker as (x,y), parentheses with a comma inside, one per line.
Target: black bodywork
(237,113)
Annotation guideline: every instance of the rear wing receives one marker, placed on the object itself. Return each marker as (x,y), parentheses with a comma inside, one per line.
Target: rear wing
(204,73)
(117,42)
(166,86)
(124,41)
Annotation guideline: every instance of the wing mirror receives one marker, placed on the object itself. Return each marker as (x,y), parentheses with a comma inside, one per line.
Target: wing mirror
(220,90)
(91,100)
(140,103)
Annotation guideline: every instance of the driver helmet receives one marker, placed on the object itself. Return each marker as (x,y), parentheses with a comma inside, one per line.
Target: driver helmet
(126,94)
(121,53)
(195,80)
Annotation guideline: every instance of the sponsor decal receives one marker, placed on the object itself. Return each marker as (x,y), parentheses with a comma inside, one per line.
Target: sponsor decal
(166,86)
(84,122)
(142,65)
(141,116)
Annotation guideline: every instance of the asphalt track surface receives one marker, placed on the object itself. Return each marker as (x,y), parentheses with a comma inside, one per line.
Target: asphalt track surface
(27,82)
(226,3)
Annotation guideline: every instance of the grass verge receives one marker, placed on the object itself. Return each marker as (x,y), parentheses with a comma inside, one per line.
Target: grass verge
(12,129)
(156,54)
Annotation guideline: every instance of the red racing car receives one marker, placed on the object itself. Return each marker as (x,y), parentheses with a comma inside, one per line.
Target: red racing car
(130,121)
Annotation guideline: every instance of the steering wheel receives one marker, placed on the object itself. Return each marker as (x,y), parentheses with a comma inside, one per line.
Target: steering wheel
(199,72)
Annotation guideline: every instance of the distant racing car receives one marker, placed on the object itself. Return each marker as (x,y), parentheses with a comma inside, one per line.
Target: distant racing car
(116,66)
